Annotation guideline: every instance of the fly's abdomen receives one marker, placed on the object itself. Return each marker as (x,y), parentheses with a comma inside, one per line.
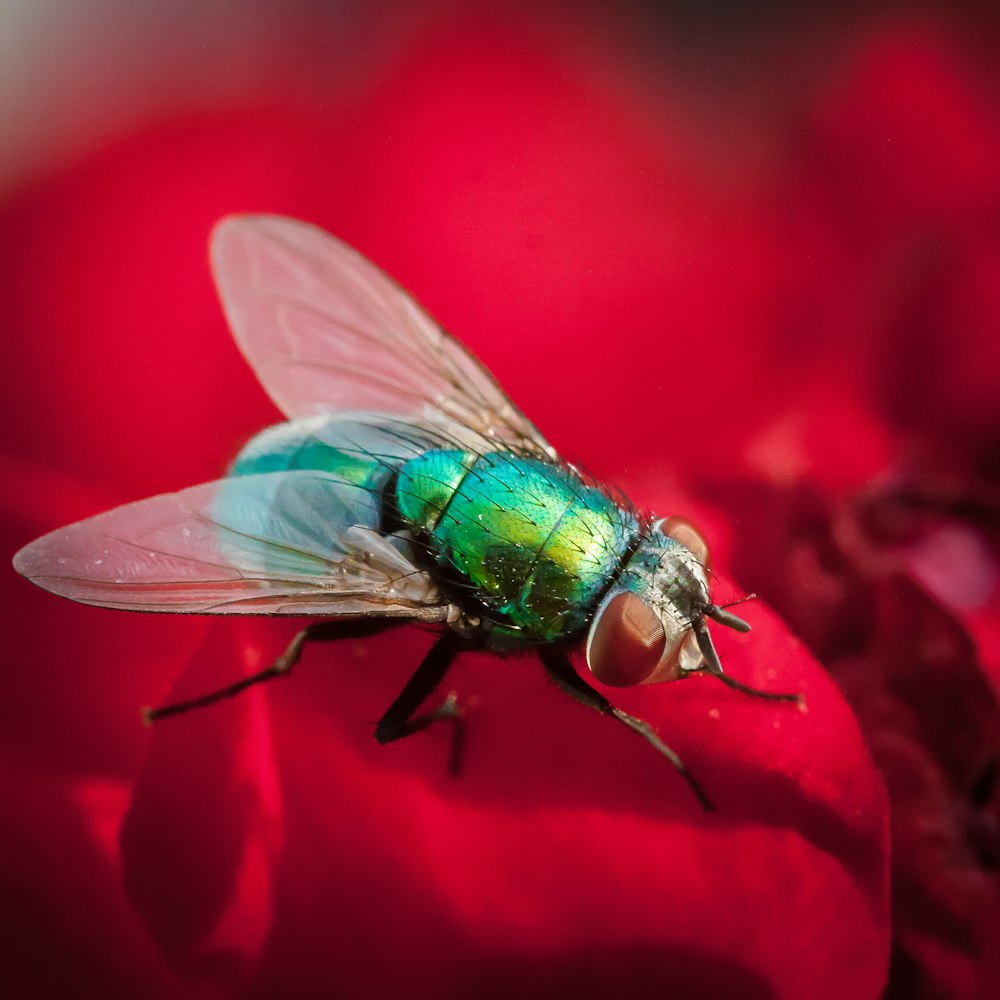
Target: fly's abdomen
(356,456)
(537,545)
(356,449)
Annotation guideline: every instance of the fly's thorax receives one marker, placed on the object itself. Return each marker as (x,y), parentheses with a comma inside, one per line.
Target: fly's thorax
(426,486)
(526,542)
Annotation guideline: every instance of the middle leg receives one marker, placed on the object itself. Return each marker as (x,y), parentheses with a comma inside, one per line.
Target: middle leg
(400,719)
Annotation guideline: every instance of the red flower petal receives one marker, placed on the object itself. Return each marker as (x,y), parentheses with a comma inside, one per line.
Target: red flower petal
(814,324)
(568,845)
(203,828)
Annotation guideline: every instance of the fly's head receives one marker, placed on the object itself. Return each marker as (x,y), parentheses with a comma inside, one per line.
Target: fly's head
(651,626)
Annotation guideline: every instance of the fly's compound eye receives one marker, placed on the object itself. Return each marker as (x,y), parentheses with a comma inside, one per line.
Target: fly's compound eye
(628,645)
(682,530)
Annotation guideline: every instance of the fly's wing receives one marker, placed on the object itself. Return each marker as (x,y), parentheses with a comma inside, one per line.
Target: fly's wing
(282,543)
(325,330)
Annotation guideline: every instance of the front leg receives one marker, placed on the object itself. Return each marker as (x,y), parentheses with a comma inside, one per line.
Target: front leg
(561,671)
(713,666)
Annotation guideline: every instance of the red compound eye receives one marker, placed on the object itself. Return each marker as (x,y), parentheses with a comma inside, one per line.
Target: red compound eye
(628,645)
(683,531)
(626,641)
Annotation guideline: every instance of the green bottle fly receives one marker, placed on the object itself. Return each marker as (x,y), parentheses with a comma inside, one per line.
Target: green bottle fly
(405,486)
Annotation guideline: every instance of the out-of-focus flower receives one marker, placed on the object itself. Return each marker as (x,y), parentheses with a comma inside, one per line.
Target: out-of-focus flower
(791,345)
(873,488)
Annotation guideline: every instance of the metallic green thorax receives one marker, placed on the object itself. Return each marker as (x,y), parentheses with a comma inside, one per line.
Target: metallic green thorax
(536,543)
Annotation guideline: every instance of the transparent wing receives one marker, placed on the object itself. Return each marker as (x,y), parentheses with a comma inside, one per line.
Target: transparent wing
(325,330)
(282,543)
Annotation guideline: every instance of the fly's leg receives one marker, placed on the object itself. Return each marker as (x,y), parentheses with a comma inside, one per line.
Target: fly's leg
(756,692)
(714,667)
(282,665)
(561,671)
(400,719)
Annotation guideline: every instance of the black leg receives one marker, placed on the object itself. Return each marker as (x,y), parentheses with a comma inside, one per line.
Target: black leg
(399,720)
(562,672)
(756,692)
(282,665)
(714,667)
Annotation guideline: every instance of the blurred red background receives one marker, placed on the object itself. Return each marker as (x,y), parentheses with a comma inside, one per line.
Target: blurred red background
(744,265)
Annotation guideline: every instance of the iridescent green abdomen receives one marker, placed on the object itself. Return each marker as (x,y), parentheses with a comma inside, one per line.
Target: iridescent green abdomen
(358,451)
(530,545)
(537,544)
(357,456)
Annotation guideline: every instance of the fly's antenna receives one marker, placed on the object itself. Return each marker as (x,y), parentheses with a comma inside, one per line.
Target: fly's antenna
(718,613)
(739,600)
(723,617)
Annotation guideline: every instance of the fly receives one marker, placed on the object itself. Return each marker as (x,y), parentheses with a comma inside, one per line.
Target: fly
(404,487)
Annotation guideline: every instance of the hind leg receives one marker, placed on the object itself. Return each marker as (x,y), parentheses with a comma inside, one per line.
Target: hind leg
(317,631)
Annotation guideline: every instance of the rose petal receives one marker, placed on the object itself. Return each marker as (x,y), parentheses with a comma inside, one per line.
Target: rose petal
(203,829)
